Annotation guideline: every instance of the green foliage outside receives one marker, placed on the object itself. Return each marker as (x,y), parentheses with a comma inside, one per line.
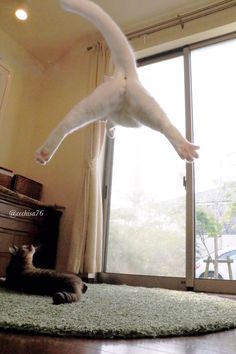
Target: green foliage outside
(215,216)
(148,237)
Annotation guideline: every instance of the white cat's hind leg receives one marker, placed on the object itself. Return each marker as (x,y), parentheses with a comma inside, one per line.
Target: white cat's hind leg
(94,107)
(149,113)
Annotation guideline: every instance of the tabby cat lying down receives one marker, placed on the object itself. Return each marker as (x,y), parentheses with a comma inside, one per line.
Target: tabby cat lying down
(21,275)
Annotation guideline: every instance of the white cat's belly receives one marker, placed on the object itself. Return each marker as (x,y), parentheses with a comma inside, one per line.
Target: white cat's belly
(122,112)
(121,118)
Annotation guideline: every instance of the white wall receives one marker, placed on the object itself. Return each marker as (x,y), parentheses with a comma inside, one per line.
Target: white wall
(19,115)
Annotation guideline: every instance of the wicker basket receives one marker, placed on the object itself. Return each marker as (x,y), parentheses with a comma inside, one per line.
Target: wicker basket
(27,186)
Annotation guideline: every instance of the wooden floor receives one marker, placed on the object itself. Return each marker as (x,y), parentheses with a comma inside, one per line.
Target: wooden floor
(220,343)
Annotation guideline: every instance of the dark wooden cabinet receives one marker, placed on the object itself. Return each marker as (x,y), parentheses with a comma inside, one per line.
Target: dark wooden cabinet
(26,221)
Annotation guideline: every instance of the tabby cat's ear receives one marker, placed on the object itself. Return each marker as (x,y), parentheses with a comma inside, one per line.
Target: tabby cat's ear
(13,250)
(37,247)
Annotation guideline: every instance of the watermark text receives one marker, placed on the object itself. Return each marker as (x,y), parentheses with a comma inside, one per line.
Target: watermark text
(25,213)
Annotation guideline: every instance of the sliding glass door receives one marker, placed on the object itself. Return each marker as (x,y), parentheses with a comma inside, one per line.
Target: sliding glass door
(163,219)
(214,114)
(147,210)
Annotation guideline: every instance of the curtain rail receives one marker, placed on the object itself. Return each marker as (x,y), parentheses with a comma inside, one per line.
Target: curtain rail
(181,19)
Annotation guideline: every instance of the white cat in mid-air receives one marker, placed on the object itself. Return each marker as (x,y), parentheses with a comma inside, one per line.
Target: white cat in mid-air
(121,99)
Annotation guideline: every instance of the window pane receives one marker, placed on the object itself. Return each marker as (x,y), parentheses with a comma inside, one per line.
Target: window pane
(147,215)
(214,87)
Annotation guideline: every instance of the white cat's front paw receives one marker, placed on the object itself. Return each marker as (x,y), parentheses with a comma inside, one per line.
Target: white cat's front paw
(188,151)
(42,155)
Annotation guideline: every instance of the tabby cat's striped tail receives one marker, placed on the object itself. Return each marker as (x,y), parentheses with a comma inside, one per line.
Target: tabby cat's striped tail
(65,297)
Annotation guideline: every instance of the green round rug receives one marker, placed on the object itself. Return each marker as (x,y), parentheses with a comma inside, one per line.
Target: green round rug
(118,311)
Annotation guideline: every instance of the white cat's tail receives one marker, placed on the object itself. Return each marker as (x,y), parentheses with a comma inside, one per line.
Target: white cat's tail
(122,53)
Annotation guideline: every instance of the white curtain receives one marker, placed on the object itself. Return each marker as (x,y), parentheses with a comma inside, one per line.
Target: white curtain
(87,231)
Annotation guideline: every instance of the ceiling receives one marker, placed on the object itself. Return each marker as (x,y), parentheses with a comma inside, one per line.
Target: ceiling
(50,31)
